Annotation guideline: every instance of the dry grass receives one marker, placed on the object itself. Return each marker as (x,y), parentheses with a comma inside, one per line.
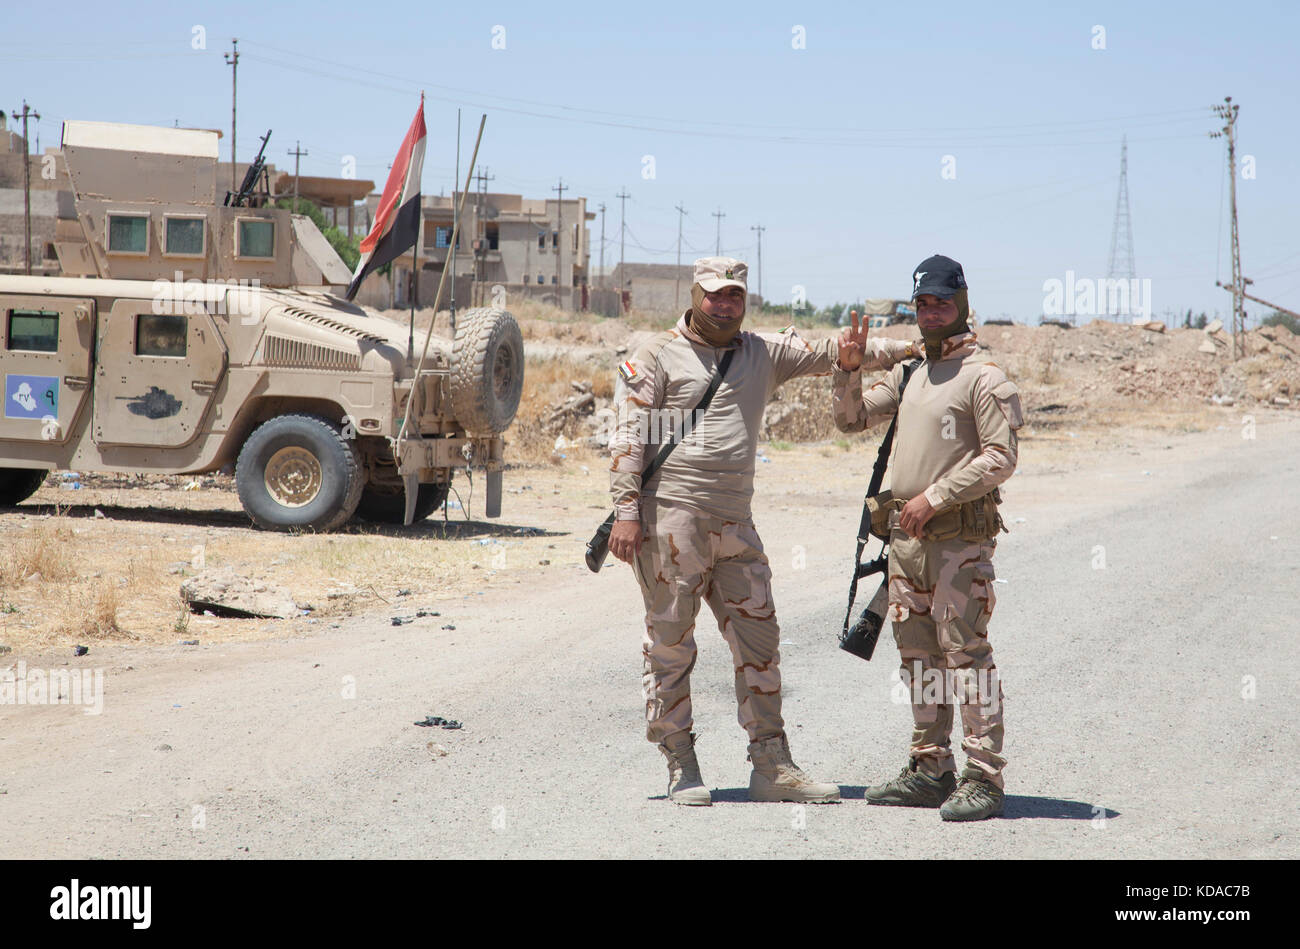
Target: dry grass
(90,611)
(43,554)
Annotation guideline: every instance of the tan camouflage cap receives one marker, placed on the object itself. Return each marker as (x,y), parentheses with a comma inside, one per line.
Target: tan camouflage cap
(714,273)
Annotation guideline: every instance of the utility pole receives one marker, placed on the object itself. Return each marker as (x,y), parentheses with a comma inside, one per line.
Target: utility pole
(601,284)
(719,215)
(27,191)
(297,153)
(1121,236)
(759,228)
(1228,112)
(622,236)
(232,60)
(559,240)
(677,288)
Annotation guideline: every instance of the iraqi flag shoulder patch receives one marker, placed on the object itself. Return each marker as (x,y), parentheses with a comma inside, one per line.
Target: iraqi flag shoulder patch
(628,372)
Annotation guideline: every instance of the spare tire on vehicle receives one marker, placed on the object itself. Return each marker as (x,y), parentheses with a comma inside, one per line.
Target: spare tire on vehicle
(487,370)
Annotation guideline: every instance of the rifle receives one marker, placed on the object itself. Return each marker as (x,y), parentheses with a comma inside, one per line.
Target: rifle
(238,199)
(598,546)
(861,639)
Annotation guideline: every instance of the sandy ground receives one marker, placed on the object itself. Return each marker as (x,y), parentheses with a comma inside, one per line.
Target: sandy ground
(1141,633)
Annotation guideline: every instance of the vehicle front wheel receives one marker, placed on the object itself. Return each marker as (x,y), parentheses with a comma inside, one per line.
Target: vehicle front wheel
(19,484)
(298,471)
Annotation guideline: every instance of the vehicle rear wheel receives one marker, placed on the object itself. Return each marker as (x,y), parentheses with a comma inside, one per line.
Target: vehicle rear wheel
(385,503)
(19,484)
(487,371)
(298,471)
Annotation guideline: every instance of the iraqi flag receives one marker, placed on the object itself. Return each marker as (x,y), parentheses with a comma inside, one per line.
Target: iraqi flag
(397,223)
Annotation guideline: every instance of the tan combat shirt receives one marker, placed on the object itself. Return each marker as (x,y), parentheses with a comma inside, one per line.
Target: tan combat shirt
(712,468)
(956,437)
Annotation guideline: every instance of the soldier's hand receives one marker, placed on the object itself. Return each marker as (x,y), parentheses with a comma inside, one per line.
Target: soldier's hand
(853,343)
(914,516)
(625,539)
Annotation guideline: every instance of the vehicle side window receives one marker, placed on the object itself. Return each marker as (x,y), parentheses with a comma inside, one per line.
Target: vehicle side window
(256,239)
(128,233)
(160,334)
(33,331)
(184,236)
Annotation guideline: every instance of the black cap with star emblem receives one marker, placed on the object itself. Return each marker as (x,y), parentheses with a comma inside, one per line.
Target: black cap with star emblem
(939,275)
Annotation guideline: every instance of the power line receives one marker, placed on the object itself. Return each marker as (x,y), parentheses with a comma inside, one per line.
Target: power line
(718,245)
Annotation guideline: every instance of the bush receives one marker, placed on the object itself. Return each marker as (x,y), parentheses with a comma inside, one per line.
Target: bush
(1278,318)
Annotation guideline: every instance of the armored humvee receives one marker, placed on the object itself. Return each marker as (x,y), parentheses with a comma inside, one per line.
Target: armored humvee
(188,334)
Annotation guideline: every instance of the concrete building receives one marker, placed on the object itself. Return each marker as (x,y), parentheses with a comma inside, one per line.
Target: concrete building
(51,198)
(341,200)
(537,248)
(660,288)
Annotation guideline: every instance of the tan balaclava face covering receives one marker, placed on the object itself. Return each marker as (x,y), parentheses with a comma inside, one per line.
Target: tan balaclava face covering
(934,338)
(717,333)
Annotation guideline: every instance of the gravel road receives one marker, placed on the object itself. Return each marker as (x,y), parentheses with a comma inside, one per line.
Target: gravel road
(1143,632)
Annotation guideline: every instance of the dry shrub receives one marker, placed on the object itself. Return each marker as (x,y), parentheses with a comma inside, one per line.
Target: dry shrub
(45,550)
(92,613)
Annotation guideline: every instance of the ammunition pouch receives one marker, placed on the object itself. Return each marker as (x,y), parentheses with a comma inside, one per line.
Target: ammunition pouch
(881,506)
(974,521)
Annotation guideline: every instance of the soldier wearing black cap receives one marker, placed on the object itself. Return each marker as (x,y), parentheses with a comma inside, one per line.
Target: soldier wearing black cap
(955,443)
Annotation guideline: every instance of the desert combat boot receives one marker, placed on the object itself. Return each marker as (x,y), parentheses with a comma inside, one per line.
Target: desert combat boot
(777,778)
(685,786)
(973,800)
(912,788)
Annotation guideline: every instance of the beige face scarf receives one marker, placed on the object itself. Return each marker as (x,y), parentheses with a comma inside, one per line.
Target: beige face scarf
(717,333)
(934,338)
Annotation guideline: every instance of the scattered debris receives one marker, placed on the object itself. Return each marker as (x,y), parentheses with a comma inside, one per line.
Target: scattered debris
(80,650)
(163,748)
(432,720)
(187,642)
(402,620)
(427,613)
(449,626)
(435,750)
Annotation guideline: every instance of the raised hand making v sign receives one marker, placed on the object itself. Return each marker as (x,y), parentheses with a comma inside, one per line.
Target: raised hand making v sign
(853,342)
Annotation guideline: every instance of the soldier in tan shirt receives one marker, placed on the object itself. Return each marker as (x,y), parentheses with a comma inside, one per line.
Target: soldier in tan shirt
(955,443)
(688,533)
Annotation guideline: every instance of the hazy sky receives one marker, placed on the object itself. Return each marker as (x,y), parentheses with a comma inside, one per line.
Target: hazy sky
(826,123)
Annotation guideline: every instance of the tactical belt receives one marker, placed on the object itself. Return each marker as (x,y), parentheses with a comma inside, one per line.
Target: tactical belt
(973,521)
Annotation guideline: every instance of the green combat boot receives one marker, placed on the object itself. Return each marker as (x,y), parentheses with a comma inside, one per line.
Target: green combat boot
(973,800)
(912,788)
(685,786)
(777,778)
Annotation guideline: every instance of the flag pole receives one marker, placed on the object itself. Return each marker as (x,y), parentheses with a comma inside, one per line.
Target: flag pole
(415,271)
(442,282)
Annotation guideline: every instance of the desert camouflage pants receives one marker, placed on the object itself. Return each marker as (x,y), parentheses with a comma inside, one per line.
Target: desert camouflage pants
(688,555)
(940,599)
